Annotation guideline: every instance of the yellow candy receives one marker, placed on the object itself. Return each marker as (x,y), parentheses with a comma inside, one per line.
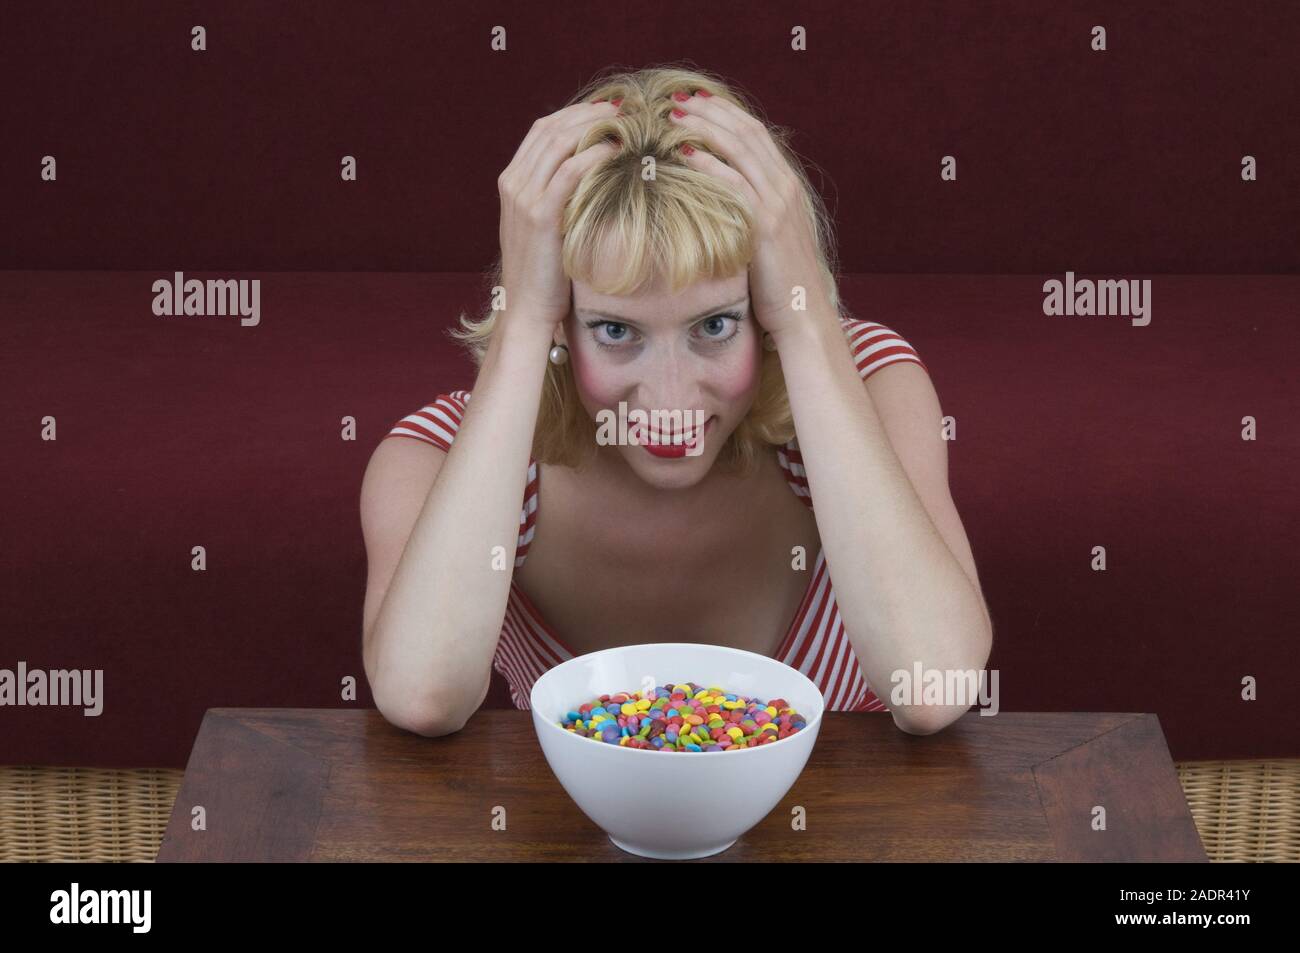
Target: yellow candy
(735,732)
(644,704)
(628,708)
(771,711)
(771,726)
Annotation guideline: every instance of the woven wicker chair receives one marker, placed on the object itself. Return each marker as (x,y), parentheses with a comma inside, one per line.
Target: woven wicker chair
(1244,810)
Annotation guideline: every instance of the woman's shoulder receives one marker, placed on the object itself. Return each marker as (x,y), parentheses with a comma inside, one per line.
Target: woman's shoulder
(876,346)
(436,422)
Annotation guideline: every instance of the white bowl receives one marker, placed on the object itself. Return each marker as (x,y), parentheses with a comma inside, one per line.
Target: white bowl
(678,805)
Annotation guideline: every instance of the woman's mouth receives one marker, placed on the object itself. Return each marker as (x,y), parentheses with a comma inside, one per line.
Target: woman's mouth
(675,444)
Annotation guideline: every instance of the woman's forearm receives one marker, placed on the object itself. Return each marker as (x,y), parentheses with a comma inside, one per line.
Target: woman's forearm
(902,593)
(436,633)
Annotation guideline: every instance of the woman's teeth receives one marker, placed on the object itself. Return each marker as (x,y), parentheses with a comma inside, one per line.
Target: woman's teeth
(675,440)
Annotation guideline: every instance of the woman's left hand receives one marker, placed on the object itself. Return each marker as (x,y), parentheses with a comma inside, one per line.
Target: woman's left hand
(785,256)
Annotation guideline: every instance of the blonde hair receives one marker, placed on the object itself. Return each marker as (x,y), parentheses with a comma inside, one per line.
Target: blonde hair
(687,224)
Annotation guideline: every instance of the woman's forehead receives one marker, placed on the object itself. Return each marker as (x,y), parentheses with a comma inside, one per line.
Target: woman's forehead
(657,300)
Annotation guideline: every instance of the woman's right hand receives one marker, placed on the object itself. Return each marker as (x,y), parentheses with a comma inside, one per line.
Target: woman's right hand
(534,189)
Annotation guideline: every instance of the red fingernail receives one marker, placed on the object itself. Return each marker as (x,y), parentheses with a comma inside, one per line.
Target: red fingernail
(680,96)
(688,150)
(616,102)
(703,92)
(677,113)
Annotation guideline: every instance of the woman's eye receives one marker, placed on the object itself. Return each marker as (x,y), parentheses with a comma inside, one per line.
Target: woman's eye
(610,333)
(720,328)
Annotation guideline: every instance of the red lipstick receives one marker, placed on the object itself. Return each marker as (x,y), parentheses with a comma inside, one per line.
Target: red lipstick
(674,450)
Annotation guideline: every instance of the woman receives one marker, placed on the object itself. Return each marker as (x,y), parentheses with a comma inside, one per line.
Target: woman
(664,256)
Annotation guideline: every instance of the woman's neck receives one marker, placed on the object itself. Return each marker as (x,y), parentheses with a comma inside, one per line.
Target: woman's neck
(720,483)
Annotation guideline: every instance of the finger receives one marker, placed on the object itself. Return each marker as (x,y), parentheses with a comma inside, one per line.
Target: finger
(560,143)
(577,114)
(522,165)
(531,150)
(747,128)
(570,171)
(718,107)
(711,165)
(535,131)
(739,152)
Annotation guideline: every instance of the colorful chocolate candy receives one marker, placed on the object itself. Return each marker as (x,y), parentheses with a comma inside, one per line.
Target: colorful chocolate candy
(684,717)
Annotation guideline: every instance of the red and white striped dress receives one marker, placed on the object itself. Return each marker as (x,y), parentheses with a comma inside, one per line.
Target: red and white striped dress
(815,643)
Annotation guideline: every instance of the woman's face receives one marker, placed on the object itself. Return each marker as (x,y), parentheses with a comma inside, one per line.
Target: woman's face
(685,367)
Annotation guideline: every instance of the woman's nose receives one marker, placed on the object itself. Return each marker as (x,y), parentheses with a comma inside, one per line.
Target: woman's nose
(673,384)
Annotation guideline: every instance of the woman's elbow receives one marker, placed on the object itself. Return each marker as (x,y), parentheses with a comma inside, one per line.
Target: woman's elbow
(926,719)
(419,719)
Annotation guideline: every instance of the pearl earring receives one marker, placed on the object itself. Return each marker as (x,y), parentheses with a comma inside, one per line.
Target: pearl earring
(559,354)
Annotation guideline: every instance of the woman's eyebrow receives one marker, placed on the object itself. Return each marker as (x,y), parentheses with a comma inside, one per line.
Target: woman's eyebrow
(703,314)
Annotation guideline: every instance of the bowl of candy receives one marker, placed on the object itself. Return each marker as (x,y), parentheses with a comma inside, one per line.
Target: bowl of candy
(675,749)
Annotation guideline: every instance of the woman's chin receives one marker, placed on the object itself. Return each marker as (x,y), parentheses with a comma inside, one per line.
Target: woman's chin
(668,472)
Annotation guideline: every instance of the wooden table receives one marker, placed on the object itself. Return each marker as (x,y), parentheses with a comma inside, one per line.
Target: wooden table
(285,784)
